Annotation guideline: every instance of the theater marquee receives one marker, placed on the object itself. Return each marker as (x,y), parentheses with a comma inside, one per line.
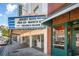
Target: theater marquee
(26,22)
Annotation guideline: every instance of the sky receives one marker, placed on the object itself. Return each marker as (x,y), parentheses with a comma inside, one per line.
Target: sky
(7,10)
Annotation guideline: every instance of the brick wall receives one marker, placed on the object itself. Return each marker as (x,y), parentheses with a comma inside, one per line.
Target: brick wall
(49,41)
(52,7)
(74,14)
(61,19)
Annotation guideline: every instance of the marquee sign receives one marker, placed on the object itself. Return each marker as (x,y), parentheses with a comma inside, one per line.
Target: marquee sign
(26,22)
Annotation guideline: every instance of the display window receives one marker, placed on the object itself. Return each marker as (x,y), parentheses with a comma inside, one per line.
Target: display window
(58,36)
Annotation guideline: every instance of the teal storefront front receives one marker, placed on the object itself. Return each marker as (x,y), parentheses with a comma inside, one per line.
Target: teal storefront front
(65,39)
(64,33)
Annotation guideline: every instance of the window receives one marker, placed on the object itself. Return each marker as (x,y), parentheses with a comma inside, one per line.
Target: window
(58,37)
(77,39)
(14,38)
(42,41)
(25,39)
(34,39)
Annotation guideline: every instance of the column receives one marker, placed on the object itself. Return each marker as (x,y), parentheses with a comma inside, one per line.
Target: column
(18,39)
(45,41)
(40,42)
(66,39)
(30,42)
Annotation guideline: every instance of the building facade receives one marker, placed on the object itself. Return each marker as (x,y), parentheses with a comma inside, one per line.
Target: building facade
(27,29)
(63,22)
(29,9)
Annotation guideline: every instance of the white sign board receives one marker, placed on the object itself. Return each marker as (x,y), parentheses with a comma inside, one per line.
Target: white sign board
(28,23)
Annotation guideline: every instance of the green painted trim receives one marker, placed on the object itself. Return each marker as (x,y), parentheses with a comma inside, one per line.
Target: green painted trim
(66,38)
(73,41)
(64,23)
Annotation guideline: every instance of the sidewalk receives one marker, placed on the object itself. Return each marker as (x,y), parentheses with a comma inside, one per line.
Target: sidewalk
(16,50)
(27,52)
(1,49)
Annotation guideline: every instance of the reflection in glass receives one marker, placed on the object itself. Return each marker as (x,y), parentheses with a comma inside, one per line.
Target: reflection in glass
(58,37)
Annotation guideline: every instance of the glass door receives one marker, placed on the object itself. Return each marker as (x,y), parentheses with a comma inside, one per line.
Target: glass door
(76,34)
(59,42)
(73,38)
(77,42)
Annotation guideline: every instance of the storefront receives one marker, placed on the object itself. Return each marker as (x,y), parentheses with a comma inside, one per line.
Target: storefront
(65,31)
(38,41)
(32,38)
(28,31)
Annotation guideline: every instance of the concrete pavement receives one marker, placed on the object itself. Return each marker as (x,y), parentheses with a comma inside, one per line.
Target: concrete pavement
(27,52)
(1,49)
(16,50)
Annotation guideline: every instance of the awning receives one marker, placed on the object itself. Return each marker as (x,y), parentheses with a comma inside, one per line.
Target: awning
(66,9)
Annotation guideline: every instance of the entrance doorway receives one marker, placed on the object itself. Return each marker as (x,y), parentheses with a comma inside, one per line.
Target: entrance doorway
(65,39)
(74,38)
(25,41)
(58,40)
(38,42)
(77,42)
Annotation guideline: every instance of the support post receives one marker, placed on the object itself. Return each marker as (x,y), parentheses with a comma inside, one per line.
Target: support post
(45,42)
(66,39)
(30,41)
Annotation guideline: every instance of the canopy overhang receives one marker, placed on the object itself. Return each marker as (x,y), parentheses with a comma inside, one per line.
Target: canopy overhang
(61,11)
